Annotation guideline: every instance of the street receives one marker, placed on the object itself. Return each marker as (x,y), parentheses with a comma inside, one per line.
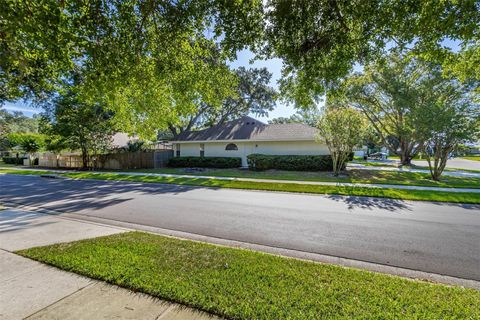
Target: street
(441,238)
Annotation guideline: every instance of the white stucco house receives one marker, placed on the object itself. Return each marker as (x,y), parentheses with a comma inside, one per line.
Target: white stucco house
(244,136)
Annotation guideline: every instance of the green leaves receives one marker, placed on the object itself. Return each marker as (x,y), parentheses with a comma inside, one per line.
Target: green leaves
(320,41)
(341,129)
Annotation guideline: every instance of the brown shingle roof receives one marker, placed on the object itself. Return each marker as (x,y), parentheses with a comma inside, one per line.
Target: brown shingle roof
(247,128)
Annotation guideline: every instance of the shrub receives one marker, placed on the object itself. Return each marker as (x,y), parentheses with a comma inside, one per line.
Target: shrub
(14,160)
(261,162)
(205,162)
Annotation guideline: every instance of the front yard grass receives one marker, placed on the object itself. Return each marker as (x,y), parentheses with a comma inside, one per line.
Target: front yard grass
(243,284)
(473,158)
(354,176)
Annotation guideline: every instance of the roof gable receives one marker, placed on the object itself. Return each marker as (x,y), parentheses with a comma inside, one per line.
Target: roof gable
(247,128)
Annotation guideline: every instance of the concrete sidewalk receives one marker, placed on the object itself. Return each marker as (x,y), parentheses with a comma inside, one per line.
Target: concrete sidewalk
(31,290)
(321,183)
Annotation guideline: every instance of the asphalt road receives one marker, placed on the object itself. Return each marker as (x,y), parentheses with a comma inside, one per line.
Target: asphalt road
(455,163)
(433,237)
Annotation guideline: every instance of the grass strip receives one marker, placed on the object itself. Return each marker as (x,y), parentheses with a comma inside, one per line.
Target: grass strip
(354,176)
(423,195)
(243,284)
(473,158)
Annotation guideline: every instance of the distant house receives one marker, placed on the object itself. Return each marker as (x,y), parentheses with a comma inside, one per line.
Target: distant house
(244,136)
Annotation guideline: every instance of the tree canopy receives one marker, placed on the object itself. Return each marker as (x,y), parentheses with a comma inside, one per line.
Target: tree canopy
(252,94)
(156,62)
(320,41)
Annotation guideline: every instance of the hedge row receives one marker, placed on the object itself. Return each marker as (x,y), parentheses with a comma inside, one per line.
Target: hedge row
(205,162)
(261,162)
(13,160)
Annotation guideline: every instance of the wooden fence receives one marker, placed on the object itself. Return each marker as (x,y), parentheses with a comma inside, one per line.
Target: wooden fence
(114,161)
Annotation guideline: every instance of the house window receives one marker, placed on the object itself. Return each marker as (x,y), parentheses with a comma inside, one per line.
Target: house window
(202,149)
(231,146)
(178,150)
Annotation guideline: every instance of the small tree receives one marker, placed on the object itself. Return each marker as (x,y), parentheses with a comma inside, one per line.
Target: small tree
(31,144)
(341,129)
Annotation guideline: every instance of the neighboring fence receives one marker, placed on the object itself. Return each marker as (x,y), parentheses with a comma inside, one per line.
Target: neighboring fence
(114,161)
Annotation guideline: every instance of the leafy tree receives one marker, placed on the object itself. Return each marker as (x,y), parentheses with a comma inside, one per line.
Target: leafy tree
(253,94)
(31,145)
(308,116)
(447,118)
(17,122)
(149,61)
(389,92)
(341,129)
(320,41)
(80,126)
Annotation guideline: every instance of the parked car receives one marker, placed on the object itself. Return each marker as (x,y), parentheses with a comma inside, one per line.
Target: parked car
(379,156)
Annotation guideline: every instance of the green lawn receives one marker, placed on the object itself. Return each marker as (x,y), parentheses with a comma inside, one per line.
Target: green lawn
(464,197)
(474,158)
(354,176)
(242,284)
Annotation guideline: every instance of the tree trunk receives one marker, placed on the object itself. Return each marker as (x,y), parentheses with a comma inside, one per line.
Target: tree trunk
(84,158)
(405,158)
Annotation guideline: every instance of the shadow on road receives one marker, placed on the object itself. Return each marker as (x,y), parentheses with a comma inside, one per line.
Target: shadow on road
(354,202)
(73,195)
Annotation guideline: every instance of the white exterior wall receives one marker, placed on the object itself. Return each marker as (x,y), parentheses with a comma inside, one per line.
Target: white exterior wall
(217,149)
(189,149)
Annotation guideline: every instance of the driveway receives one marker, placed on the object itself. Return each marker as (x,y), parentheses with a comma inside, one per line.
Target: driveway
(434,237)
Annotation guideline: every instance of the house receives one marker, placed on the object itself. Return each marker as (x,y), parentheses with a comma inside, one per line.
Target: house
(244,136)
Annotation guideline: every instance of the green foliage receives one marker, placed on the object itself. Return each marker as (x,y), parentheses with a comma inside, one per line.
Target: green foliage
(341,129)
(390,92)
(17,122)
(251,94)
(260,162)
(448,117)
(14,160)
(149,61)
(308,117)
(205,162)
(77,125)
(320,41)
(25,140)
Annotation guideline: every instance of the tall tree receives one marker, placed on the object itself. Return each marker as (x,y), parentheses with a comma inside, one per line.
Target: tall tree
(389,92)
(341,129)
(252,94)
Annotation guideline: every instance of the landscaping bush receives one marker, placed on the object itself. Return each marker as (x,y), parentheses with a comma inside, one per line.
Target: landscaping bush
(261,162)
(205,162)
(14,160)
